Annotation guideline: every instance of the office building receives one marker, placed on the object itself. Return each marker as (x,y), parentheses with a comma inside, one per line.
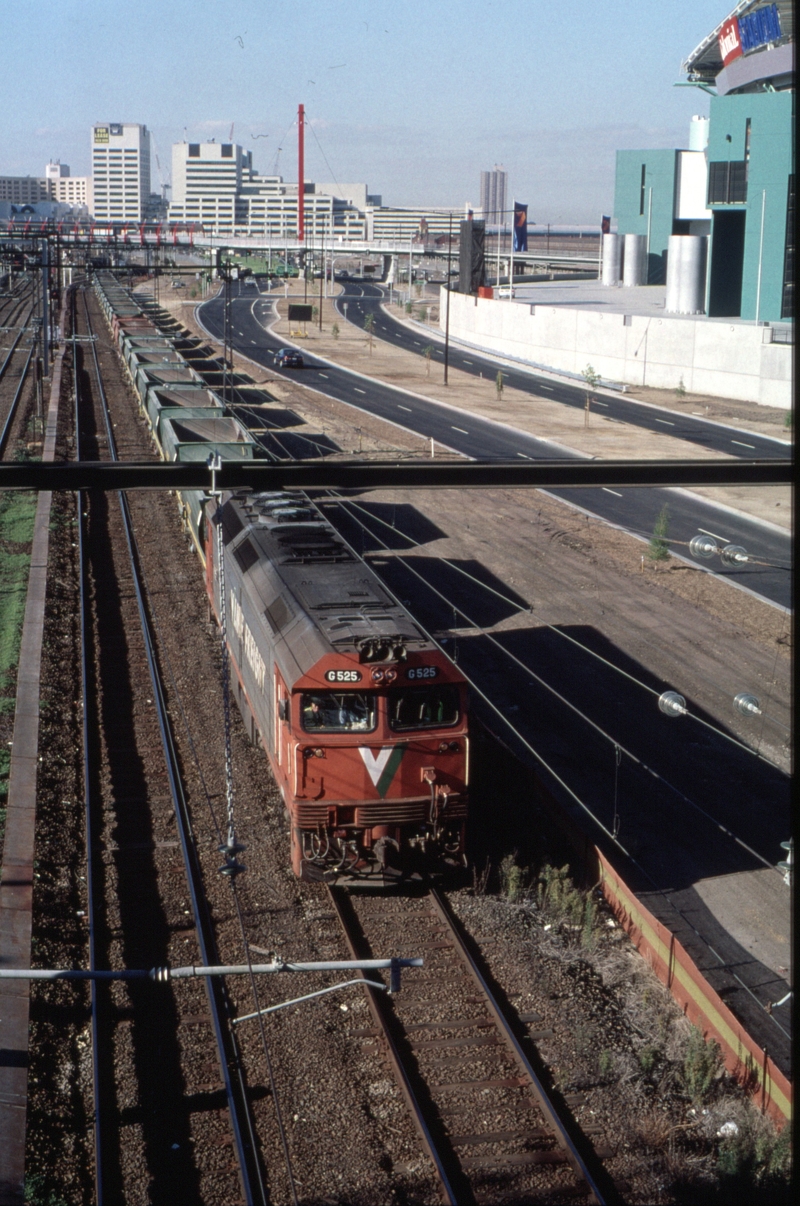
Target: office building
(494,186)
(120,171)
(215,185)
(23,190)
(75,191)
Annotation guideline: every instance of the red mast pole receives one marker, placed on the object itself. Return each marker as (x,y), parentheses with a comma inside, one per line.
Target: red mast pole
(301,231)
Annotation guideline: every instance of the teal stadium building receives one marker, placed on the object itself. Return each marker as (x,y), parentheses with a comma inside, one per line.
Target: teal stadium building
(734,182)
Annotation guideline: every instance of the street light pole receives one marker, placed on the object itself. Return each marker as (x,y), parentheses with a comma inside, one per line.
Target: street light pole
(447,312)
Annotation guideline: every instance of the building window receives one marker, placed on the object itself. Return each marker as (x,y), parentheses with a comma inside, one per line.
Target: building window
(727,182)
(787,301)
(227,150)
(194,150)
(641,190)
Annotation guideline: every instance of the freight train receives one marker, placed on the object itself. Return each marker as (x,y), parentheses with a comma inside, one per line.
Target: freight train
(363,718)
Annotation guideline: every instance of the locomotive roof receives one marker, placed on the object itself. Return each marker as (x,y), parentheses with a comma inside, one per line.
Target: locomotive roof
(296,566)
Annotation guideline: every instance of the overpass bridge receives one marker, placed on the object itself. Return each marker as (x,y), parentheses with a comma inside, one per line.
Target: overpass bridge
(119,236)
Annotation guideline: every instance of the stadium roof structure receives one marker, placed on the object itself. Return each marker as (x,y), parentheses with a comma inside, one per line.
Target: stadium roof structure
(704,64)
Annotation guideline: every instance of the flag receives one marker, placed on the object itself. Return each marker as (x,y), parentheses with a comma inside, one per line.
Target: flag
(605,225)
(520,227)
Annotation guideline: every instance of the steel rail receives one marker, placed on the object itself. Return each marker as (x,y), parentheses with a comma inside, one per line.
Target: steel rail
(242,1121)
(377,1005)
(4,434)
(13,348)
(98,1085)
(548,1108)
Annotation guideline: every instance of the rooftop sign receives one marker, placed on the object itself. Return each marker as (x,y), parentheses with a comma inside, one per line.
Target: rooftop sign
(757,28)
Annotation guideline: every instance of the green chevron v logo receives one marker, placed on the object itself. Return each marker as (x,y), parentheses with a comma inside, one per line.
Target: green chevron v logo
(381,767)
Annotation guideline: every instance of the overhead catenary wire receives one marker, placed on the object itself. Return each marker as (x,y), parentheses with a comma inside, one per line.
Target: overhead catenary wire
(551,627)
(588,811)
(572,707)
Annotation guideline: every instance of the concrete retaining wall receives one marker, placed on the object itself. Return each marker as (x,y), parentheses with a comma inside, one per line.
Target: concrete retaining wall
(725,360)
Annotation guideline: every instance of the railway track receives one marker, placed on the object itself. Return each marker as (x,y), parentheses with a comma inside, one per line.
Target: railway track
(20,341)
(141,1038)
(490,1128)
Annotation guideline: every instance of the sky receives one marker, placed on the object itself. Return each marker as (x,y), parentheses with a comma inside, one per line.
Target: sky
(415,99)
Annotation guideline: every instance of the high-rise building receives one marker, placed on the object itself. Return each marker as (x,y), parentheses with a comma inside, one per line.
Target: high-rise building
(120,171)
(207,182)
(493,196)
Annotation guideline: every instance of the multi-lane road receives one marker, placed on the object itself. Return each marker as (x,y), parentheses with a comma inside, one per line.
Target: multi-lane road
(635,509)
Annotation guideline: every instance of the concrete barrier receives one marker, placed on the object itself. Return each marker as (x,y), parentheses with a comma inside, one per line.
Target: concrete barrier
(725,359)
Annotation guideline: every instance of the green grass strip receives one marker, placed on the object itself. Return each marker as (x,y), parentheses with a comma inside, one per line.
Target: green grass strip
(17,514)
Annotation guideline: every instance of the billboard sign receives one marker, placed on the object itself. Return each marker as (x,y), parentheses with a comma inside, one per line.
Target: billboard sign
(101,133)
(760,27)
(730,44)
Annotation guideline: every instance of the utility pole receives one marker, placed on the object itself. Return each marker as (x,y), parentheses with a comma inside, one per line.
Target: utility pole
(301,231)
(46,307)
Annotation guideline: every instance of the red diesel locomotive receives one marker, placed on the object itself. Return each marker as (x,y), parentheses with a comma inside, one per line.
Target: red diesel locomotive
(364,719)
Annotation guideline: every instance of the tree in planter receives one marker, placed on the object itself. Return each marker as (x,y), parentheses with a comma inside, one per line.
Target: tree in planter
(423,314)
(427,353)
(335,330)
(409,309)
(498,385)
(369,327)
(592,379)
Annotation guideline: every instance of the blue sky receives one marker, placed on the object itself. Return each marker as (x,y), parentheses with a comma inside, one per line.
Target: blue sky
(415,99)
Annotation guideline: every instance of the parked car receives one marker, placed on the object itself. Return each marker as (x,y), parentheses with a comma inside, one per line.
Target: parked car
(506,291)
(287,358)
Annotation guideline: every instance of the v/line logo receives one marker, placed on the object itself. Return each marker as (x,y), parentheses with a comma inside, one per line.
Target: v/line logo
(381,767)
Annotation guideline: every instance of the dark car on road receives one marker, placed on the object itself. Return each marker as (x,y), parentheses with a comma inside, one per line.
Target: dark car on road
(287,358)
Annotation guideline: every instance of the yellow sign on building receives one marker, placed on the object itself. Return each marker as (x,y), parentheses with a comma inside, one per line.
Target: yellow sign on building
(101,133)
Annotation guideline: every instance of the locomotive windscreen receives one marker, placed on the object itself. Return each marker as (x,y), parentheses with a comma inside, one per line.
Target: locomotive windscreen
(423,707)
(334,712)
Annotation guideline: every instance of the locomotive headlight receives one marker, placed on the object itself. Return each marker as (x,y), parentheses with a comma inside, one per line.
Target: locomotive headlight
(390,676)
(377,676)
(319,752)
(452,746)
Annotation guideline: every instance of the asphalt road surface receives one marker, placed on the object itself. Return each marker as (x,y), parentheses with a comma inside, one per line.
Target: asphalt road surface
(635,509)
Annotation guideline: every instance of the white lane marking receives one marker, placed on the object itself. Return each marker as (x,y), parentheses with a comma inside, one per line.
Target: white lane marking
(461,429)
(397,336)
(467,362)
(666,422)
(597,402)
(252,340)
(416,341)
(716,535)
(408,408)
(611,491)
(359,391)
(323,374)
(527,458)
(742,445)
(548,387)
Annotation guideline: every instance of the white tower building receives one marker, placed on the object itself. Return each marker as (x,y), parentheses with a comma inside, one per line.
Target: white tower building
(120,171)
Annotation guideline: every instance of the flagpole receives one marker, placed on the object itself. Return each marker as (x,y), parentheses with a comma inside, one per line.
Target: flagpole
(511,251)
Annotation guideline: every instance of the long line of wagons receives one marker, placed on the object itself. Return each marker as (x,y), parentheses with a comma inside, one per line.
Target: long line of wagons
(362,716)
